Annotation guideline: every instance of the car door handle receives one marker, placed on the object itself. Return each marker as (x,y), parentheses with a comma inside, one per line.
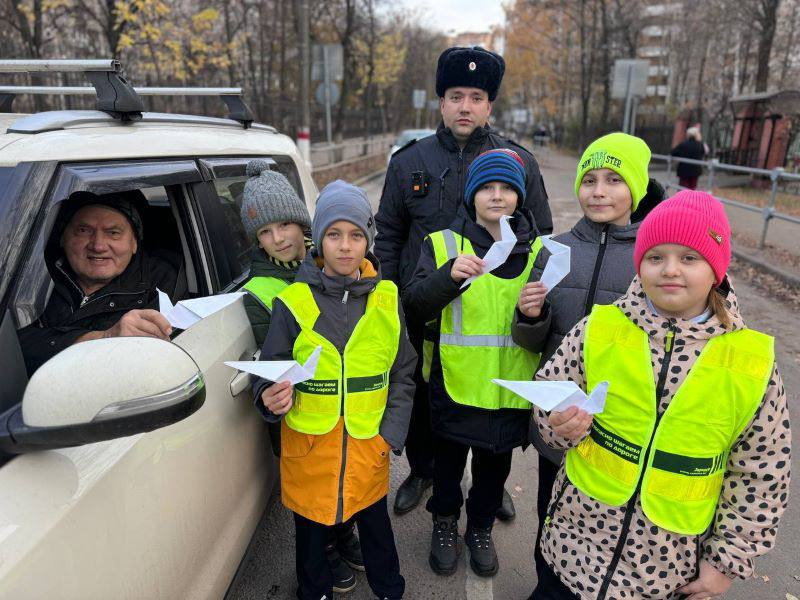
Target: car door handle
(239,383)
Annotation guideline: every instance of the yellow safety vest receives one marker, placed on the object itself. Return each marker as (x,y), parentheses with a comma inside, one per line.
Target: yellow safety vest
(264,289)
(475,344)
(677,461)
(364,366)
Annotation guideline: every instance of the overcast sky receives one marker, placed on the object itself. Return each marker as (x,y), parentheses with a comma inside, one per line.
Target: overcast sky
(459,15)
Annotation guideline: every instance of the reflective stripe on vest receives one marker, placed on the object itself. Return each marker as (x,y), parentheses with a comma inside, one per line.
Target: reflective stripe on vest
(264,289)
(475,329)
(688,453)
(365,366)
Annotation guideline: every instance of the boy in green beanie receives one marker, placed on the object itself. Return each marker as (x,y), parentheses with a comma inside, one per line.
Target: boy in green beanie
(610,182)
(277,219)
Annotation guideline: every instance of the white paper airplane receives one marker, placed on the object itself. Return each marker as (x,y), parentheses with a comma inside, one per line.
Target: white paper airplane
(280,370)
(186,313)
(558,395)
(498,253)
(557,265)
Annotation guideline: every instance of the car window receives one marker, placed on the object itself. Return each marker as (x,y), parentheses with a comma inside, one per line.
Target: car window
(230,246)
(35,284)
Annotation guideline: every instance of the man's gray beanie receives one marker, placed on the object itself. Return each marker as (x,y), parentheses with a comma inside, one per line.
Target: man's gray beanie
(269,197)
(341,201)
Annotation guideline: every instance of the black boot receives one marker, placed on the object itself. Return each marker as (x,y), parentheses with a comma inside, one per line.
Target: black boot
(343,578)
(444,545)
(482,555)
(506,512)
(410,493)
(349,548)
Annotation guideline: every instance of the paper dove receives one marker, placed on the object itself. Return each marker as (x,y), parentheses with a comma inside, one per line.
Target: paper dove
(558,395)
(186,313)
(280,370)
(557,265)
(498,253)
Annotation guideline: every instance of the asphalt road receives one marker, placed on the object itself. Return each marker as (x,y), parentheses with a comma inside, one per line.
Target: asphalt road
(269,570)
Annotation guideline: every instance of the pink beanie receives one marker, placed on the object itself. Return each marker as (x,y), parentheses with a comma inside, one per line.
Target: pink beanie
(693,219)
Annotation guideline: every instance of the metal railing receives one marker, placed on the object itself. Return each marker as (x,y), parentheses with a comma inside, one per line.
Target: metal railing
(768,212)
(324,155)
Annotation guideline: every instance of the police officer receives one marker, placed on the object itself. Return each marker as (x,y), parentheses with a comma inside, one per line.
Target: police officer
(424,187)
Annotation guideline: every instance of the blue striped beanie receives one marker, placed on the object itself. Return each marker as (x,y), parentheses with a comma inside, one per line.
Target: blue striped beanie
(500,164)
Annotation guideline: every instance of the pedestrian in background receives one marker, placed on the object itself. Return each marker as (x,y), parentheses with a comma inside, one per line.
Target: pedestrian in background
(680,482)
(423,191)
(470,344)
(339,427)
(692,147)
(610,182)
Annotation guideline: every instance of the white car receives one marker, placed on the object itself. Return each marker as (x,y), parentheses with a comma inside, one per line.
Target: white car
(406,136)
(131,467)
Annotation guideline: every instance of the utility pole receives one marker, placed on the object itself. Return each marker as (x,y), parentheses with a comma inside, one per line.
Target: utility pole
(304,128)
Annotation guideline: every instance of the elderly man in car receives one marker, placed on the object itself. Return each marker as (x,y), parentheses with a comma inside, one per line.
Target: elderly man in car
(104,282)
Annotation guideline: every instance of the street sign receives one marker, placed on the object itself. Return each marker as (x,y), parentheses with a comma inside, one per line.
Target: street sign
(418,100)
(335,56)
(630,76)
(630,83)
(320,96)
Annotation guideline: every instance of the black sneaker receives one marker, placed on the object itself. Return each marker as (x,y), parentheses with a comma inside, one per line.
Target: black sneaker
(410,493)
(506,512)
(349,548)
(344,580)
(443,558)
(482,555)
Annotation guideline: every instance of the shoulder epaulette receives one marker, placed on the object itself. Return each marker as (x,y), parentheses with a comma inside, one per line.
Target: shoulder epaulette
(408,145)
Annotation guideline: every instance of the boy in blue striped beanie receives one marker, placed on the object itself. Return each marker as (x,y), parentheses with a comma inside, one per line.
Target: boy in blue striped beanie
(467,344)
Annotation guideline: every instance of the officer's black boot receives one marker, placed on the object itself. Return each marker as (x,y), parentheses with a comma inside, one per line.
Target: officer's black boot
(410,493)
(444,545)
(506,512)
(482,555)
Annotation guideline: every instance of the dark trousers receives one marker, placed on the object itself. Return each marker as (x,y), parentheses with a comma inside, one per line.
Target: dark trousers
(550,587)
(419,441)
(314,577)
(689,182)
(489,474)
(547,478)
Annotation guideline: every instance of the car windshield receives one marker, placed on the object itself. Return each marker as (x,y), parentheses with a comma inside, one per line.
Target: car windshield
(8,222)
(412,134)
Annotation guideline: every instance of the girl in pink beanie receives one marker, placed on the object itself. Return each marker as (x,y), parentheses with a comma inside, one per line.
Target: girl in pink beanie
(679,483)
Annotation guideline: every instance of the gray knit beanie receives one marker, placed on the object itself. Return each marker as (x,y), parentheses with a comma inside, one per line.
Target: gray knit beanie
(341,201)
(269,197)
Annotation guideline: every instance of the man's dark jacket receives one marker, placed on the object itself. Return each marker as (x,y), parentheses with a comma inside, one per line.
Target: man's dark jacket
(404,219)
(69,314)
(428,293)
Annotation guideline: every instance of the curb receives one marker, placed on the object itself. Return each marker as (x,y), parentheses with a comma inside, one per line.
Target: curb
(784,276)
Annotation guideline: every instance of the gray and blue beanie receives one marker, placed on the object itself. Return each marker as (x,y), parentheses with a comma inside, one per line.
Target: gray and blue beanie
(342,201)
(269,197)
(500,164)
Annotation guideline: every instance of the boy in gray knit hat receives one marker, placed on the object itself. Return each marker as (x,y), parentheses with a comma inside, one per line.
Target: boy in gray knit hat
(277,219)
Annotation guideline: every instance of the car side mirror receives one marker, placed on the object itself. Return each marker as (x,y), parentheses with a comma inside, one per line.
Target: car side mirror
(101,390)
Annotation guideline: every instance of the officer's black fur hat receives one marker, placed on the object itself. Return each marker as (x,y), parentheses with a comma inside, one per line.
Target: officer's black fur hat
(470,67)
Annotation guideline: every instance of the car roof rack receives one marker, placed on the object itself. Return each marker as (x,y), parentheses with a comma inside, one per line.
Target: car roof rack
(115,95)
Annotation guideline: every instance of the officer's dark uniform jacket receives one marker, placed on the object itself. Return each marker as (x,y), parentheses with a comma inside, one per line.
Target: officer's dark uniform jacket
(439,167)
(69,314)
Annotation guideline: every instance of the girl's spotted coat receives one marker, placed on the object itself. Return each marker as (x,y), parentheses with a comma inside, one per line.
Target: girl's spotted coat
(583,535)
